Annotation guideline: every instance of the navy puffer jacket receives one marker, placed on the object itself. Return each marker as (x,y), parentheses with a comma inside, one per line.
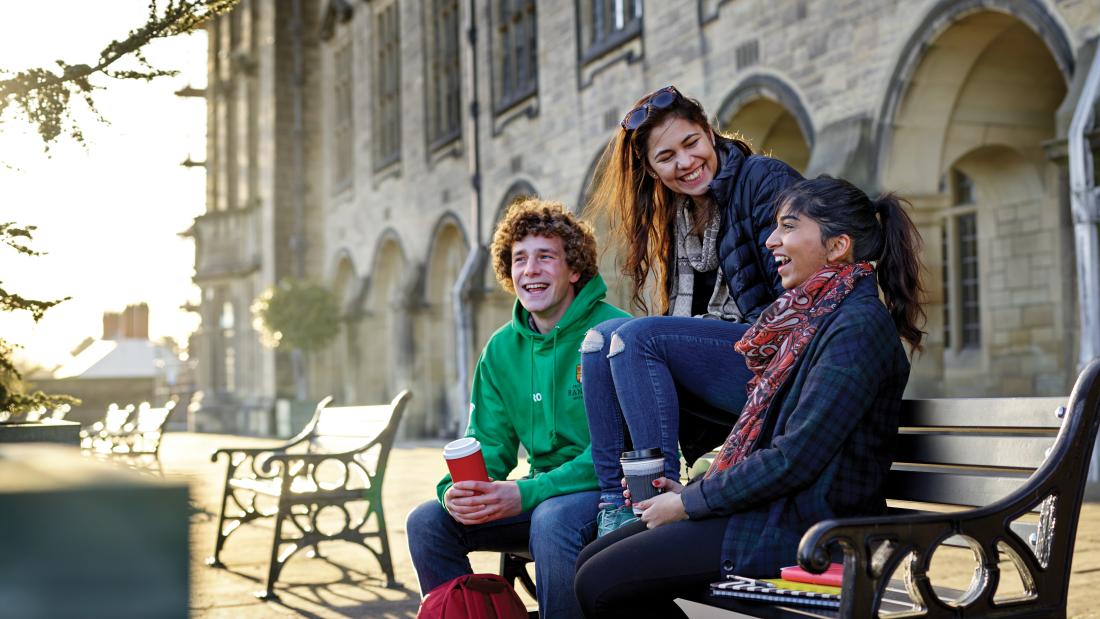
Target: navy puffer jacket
(745,189)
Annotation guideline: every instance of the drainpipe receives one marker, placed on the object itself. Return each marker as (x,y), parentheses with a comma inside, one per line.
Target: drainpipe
(297,158)
(471,268)
(1083,201)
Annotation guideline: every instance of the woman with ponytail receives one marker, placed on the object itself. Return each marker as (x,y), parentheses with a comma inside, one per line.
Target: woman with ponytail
(815,437)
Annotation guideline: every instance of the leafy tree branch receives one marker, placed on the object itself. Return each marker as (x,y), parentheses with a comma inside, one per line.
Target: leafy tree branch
(43,96)
(13,396)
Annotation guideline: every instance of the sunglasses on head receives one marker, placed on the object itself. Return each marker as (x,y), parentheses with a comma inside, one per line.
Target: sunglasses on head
(659,100)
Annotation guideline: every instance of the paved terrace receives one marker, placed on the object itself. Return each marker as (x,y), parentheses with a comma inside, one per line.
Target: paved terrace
(347,582)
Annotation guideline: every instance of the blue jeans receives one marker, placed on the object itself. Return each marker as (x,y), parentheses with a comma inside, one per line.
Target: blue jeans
(554,532)
(668,381)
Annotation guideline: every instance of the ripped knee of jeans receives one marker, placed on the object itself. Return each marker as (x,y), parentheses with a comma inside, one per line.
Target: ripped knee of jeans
(617,345)
(593,341)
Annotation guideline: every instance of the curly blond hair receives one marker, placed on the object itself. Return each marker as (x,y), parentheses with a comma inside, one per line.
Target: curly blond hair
(529,215)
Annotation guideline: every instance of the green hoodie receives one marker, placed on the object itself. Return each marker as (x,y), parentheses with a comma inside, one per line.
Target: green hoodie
(527,391)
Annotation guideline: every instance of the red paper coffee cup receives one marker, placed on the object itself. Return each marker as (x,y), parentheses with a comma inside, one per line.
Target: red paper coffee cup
(464,460)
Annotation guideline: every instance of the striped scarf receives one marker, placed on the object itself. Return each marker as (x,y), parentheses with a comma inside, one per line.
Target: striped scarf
(773,345)
(698,255)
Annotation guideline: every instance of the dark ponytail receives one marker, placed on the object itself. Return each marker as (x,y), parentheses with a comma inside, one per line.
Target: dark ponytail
(899,269)
(881,231)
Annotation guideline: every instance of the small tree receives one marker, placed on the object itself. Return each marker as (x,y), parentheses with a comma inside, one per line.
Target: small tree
(13,396)
(299,316)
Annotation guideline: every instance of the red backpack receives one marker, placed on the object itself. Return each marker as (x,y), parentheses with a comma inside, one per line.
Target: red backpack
(473,596)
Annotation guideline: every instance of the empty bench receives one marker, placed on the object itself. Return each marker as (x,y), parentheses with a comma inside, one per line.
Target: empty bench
(130,436)
(1004,477)
(338,460)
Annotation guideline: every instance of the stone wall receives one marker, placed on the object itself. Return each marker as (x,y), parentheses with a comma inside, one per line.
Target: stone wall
(889,94)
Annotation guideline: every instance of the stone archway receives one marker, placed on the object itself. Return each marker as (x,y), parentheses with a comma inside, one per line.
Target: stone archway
(964,143)
(438,375)
(344,353)
(383,334)
(768,114)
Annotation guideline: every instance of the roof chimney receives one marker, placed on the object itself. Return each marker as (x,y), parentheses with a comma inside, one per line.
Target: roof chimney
(112,323)
(135,321)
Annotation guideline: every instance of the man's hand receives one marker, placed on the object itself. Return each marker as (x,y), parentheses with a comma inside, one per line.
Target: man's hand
(664,508)
(478,502)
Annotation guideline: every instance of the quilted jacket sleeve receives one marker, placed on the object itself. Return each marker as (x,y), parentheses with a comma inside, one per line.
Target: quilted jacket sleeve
(764,179)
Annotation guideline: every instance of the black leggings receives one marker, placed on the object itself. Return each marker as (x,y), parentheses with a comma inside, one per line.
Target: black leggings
(634,572)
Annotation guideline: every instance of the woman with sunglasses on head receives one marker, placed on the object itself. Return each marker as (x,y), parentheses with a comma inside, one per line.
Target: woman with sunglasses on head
(692,208)
(815,437)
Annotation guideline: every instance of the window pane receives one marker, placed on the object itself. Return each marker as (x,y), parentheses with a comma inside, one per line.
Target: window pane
(342,129)
(968,281)
(387,96)
(443,87)
(517,55)
(964,188)
(946,286)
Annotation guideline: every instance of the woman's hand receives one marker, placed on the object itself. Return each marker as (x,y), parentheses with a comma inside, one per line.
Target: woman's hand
(662,483)
(663,508)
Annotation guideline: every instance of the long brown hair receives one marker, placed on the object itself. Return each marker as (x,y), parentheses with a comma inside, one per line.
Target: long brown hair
(881,231)
(640,209)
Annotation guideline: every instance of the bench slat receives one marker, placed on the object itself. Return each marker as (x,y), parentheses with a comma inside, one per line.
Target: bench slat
(975,412)
(969,489)
(361,421)
(1019,452)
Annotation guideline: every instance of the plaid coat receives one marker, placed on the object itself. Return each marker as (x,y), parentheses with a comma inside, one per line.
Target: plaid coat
(827,442)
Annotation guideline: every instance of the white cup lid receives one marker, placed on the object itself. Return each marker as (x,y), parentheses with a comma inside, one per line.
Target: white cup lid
(460,448)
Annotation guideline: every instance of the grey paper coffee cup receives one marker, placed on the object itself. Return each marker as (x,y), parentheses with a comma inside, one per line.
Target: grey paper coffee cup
(641,468)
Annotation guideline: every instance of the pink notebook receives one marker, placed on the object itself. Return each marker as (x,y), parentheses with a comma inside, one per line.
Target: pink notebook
(831,576)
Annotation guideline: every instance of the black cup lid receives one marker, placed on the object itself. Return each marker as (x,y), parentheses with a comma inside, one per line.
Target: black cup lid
(642,454)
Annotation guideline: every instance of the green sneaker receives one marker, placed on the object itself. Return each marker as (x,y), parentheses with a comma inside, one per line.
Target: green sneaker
(611,517)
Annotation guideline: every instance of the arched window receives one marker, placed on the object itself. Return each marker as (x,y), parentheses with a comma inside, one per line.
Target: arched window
(962,325)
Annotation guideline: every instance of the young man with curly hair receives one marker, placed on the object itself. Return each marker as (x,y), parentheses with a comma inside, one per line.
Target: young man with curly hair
(527,391)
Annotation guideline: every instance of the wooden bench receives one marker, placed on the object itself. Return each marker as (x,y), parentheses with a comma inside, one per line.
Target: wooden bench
(338,461)
(130,436)
(43,414)
(1004,477)
(139,444)
(100,438)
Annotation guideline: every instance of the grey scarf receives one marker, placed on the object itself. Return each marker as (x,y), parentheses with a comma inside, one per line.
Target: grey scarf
(695,255)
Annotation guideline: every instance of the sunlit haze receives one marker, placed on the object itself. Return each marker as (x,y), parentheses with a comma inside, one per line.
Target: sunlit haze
(109,213)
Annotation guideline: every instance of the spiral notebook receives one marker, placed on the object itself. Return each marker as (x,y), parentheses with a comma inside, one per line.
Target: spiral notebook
(753,589)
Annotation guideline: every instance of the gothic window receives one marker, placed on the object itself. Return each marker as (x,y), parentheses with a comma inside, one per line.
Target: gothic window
(605,24)
(386,132)
(342,128)
(961,299)
(515,57)
(227,379)
(442,79)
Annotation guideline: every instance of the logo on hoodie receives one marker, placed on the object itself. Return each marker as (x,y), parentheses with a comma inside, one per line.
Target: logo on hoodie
(575,389)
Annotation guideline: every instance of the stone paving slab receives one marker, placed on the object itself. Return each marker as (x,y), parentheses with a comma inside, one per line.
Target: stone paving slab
(347,581)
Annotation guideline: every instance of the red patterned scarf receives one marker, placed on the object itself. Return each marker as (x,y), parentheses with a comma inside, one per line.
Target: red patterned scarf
(773,345)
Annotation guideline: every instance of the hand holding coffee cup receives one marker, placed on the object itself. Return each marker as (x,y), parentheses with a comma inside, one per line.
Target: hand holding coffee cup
(464,460)
(641,468)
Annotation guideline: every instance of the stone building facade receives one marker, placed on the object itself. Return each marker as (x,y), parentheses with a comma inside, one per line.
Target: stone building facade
(373,146)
